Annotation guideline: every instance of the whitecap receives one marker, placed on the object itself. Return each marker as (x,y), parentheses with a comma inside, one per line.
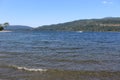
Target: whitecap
(29,69)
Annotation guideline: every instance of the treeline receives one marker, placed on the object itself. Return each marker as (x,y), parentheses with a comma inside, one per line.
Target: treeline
(104,24)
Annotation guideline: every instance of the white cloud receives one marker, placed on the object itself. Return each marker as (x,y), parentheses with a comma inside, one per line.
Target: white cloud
(107,2)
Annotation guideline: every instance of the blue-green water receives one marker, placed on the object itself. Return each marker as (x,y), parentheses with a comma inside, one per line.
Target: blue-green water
(49,55)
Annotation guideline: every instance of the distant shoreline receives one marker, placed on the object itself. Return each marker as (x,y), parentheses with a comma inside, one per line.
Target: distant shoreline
(5,31)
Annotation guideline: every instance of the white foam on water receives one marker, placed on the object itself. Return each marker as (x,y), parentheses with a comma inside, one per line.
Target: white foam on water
(80,31)
(5,31)
(29,69)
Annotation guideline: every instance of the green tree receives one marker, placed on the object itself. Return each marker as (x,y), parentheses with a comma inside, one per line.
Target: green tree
(2,26)
(5,24)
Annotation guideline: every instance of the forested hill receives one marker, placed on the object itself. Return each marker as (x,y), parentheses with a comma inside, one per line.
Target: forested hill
(104,24)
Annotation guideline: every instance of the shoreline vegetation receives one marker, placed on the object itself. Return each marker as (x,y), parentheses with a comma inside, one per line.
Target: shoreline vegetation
(2,26)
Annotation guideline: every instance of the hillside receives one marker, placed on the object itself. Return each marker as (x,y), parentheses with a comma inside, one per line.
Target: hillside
(104,24)
(18,28)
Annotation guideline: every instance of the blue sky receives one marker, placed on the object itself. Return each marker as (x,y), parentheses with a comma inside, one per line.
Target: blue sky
(35,13)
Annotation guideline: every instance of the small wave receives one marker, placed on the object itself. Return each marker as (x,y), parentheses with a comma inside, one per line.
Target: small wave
(28,69)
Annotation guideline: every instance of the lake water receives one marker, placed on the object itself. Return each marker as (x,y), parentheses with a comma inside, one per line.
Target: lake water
(49,55)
